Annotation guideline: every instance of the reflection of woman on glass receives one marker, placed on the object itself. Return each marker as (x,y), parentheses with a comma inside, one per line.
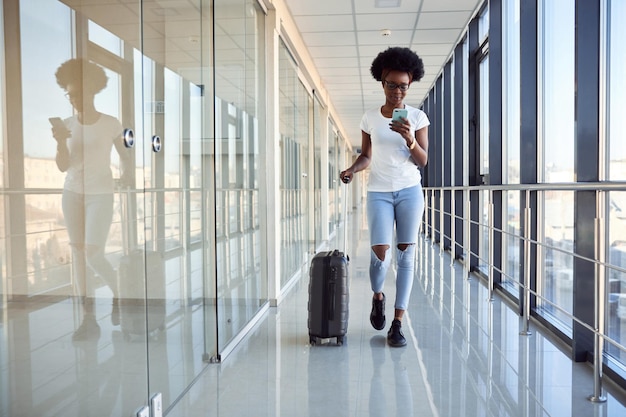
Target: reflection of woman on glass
(84,143)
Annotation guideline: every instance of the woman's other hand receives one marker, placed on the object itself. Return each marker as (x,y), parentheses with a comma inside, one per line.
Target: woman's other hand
(346,176)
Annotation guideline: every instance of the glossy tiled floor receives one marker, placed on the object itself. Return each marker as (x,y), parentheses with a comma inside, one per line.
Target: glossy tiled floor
(464,357)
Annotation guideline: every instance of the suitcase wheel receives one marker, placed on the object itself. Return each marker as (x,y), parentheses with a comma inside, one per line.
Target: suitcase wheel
(312,340)
(340,340)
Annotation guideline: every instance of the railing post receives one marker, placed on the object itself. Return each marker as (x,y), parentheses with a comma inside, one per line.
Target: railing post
(432,217)
(599,297)
(452,228)
(467,246)
(490,237)
(526,301)
(442,229)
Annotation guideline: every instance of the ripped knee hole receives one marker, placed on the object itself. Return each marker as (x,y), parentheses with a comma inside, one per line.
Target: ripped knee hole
(380,251)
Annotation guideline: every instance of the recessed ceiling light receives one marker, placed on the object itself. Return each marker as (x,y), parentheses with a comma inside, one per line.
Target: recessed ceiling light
(387,3)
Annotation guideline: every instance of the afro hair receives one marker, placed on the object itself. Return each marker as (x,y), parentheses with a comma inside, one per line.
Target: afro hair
(397,59)
(89,76)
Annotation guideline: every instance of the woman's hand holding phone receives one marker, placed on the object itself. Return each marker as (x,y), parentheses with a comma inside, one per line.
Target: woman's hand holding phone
(401,125)
(399,114)
(59,131)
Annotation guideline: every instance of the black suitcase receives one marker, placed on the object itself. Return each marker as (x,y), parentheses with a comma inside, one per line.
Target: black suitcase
(328,297)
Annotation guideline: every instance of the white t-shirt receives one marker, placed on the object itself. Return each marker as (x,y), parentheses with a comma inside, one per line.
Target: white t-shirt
(90,154)
(391,168)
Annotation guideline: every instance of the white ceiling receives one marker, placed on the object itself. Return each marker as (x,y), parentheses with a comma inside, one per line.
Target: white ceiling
(344,36)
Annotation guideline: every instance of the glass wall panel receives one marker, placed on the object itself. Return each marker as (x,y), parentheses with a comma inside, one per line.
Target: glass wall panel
(483,24)
(172,88)
(511,147)
(616,161)
(239,115)
(616,90)
(317,181)
(557,34)
(483,74)
(105,236)
(63,345)
(558,276)
(483,104)
(333,185)
(294,154)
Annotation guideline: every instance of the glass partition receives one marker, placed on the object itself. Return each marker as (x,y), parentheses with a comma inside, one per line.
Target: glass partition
(102,241)
(616,161)
(239,122)
(557,49)
(317,172)
(64,163)
(512,215)
(334,168)
(294,154)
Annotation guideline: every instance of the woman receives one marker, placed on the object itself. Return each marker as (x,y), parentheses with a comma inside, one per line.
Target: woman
(84,143)
(394,150)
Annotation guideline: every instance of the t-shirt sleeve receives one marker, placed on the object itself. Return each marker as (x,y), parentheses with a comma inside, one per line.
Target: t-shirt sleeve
(421,120)
(364,124)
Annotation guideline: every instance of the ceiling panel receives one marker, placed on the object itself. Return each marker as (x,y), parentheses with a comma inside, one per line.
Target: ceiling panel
(374,37)
(450,5)
(392,21)
(324,23)
(370,6)
(342,51)
(319,7)
(443,20)
(333,51)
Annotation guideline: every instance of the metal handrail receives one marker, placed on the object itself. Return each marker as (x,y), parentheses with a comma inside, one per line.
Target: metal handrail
(598,329)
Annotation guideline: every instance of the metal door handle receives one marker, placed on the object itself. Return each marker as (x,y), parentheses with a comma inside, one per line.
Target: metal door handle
(156,143)
(129,138)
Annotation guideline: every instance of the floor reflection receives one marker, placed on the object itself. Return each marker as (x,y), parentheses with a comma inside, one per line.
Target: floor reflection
(464,357)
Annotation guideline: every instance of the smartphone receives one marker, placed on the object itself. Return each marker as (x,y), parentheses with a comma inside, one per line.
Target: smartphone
(398,113)
(57,122)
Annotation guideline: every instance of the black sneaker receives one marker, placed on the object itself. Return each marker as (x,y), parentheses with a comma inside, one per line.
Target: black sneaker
(377,316)
(395,338)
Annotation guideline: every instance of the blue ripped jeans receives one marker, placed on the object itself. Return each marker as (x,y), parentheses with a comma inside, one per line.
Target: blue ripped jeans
(400,210)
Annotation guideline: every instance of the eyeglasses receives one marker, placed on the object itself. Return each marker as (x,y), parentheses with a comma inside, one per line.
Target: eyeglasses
(392,86)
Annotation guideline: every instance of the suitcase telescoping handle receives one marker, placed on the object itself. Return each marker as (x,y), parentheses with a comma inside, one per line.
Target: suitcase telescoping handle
(344,214)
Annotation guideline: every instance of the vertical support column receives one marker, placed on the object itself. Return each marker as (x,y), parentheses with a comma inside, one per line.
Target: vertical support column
(526,284)
(599,296)
(587,169)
